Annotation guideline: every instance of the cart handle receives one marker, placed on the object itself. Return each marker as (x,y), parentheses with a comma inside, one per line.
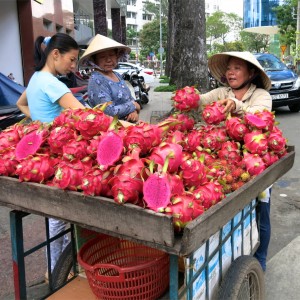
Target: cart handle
(117,278)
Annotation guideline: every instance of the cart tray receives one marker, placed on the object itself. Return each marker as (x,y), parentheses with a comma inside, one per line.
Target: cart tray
(130,221)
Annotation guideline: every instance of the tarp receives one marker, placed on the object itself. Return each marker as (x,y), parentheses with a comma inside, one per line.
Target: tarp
(10,91)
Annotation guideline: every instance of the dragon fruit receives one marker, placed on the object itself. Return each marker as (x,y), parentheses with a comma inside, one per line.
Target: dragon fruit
(92,182)
(213,114)
(38,168)
(193,173)
(186,122)
(254,121)
(127,181)
(157,189)
(214,138)
(236,128)
(276,142)
(254,163)
(183,208)
(209,194)
(59,136)
(256,142)
(9,137)
(75,149)
(192,140)
(174,151)
(270,158)
(109,150)
(68,175)
(230,151)
(186,99)
(65,118)
(8,161)
(30,143)
(91,122)
(268,117)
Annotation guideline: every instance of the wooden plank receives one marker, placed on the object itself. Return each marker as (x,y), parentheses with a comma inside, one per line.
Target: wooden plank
(77,289)
(96,212)
(133,222)
(200,229)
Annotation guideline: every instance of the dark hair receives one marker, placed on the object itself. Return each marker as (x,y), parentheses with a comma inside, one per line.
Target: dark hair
(61,41)
(257,78)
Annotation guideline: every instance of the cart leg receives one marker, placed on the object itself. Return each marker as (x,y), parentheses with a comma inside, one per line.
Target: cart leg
(16,229)
(173,277)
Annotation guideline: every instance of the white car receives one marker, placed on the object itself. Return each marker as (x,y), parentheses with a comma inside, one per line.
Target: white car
(123,67)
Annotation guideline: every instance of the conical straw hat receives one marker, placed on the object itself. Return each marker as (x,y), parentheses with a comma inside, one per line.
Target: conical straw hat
(218,64)
(101,43)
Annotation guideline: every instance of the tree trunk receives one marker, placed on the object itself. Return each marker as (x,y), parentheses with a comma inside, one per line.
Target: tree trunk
(170,40)
(189,59)
(100,17)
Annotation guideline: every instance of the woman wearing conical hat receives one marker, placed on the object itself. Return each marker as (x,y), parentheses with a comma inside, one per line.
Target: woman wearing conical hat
(245,83)
(105,85)
(245,89)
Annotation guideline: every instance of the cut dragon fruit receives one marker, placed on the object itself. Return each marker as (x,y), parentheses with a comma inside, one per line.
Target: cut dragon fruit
(28,145)
(109,150)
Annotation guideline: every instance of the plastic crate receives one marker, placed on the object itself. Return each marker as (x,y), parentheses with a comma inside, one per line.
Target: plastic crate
(120,269)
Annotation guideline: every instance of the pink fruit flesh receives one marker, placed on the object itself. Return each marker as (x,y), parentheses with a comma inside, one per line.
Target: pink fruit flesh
(157,191)
(109,149)
(28,145)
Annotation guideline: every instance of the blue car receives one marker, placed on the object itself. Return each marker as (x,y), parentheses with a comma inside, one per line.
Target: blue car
(285,90)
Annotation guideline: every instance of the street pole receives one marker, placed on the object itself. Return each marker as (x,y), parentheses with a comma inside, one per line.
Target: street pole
(160,39)
(298,38)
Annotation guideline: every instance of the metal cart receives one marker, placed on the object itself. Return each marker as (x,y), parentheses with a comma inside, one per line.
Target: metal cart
(221,222)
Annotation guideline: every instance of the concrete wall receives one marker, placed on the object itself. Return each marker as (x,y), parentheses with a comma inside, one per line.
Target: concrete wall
(10,50)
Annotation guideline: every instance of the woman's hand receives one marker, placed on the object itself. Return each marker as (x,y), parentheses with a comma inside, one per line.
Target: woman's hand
(229,105)
(133,117)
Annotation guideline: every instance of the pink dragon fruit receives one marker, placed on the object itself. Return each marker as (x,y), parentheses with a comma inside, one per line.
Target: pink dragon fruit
(8,162)
(92,182)
(38,168)
(9,137)
(213,113)
(254,121)
(268,117)
(127,181)
(157,189)
(110,149)
(183,208)
(75,149)
(66,118)
(193,173)
(236,128)
(186,122)
(30,143)
(256,142)
(175,137)
(186,99)
(214,139)
(59,136)
(209,194)
(174,151)
(276,142)
(143,135)
(254,163)
(68,175)
(270,158)
(230,151)
(90,122)
(192,140)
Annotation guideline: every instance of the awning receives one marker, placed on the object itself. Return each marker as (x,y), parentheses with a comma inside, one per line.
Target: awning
(263,30)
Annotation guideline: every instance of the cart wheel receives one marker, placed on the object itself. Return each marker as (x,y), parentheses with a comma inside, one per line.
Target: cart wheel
(63,267)
(244,280)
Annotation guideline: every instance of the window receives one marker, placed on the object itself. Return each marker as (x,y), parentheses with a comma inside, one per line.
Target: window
(47,25)
(131,26)
(131,14)
(131,2)
(147,17)
(59,28)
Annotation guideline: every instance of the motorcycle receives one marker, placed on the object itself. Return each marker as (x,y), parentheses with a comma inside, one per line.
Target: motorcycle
(139,89)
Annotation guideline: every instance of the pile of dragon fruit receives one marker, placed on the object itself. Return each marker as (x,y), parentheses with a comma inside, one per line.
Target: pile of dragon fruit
(172,167)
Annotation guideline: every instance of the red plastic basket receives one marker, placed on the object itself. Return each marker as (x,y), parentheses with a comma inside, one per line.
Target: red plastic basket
(120,269)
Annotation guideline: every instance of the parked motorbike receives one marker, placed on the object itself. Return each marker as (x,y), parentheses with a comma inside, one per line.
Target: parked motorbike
(138,87)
